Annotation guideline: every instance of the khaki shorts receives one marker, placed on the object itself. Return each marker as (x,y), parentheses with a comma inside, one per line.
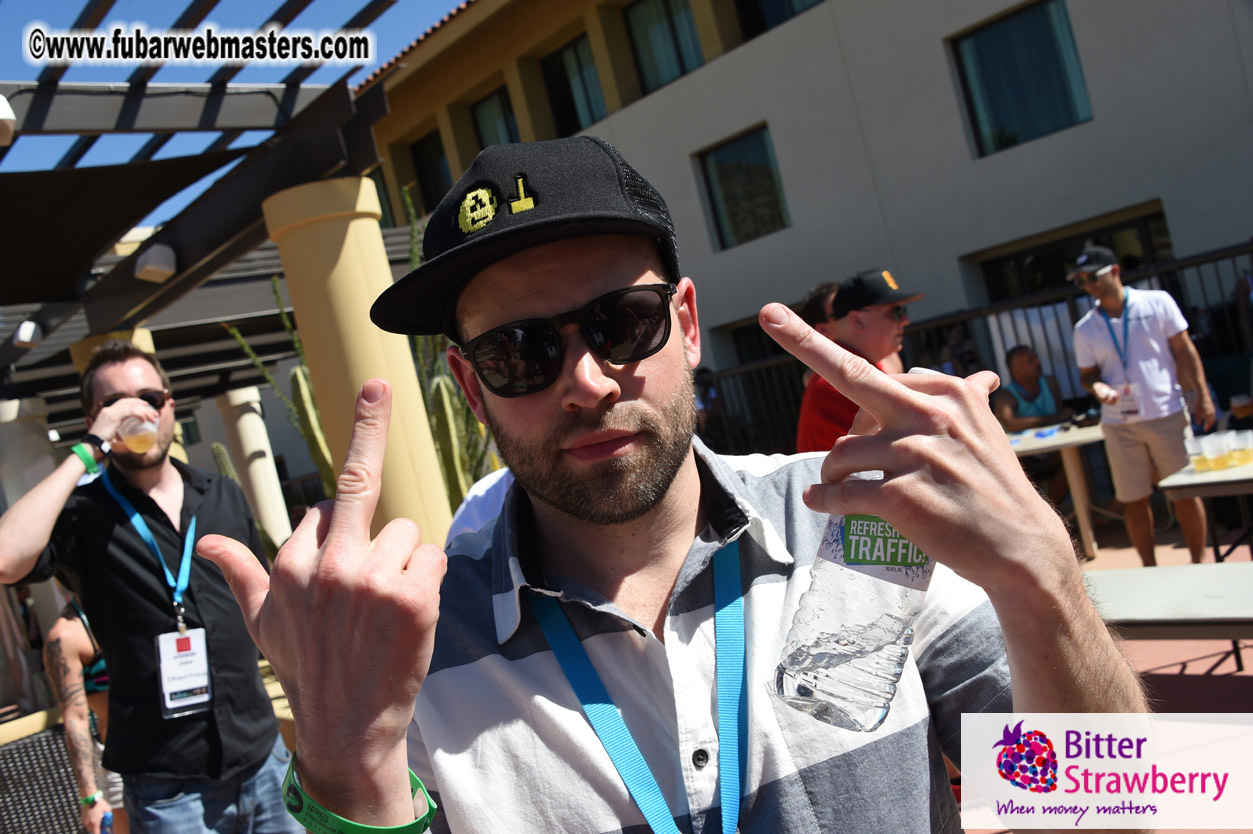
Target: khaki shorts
(1142,453)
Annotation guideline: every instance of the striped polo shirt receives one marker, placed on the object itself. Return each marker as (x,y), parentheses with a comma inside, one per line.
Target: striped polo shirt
(499,738)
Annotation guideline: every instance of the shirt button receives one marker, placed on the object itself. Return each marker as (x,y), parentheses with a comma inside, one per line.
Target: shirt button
(700,758)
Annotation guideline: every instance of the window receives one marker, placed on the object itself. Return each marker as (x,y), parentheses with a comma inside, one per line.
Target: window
(744,188)
(1022,78)
(756,16)
(663,40)
(430,165)
(493,120)
(573,87)
(386,221)
(1140,242)
(191,431)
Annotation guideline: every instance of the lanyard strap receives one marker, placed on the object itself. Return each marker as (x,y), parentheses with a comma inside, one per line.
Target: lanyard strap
(1126,322)
(607,721)
(178,586)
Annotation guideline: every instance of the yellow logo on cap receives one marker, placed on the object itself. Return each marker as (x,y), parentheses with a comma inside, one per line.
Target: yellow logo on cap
(887,276)
(523,203)
(477,210)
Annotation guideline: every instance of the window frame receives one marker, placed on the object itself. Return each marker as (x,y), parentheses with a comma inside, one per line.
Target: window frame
(675,42)
(984,139)
(511,121)
(723,235)
(426,189)
(595,104)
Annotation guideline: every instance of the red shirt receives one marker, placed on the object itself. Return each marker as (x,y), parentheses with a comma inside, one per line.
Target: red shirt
(826,415)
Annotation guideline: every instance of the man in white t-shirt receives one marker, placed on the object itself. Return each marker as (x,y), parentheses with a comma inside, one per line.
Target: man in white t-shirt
(1134,354)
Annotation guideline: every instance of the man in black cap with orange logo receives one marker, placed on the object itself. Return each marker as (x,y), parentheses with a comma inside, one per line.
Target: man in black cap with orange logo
(602,650)
(868,318)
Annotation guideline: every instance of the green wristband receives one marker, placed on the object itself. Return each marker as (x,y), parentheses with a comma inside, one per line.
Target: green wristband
(85,455)
(91,799)
(321,821)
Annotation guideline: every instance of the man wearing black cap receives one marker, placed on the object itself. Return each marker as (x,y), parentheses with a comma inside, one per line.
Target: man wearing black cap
(603,650)
(1133,353)
(868,318)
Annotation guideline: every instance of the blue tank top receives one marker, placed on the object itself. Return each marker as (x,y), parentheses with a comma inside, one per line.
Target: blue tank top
(1043,404)
(95,676)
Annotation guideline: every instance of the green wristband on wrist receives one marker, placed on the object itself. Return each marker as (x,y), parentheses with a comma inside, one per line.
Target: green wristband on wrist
(91,799)
(85,455)
(321,821)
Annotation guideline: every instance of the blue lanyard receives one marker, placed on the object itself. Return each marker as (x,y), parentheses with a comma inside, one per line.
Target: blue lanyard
(1126,321)
(607,721)
(141,527)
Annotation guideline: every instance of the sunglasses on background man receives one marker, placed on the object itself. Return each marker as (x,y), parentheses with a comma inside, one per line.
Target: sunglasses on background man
(156,399)
(1081,278)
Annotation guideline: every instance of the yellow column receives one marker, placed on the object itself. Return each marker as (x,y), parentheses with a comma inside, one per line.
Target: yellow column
(250,449)
(456,132)
(332,252)
(611,51)
(525,83)
(717,26)
(140,337)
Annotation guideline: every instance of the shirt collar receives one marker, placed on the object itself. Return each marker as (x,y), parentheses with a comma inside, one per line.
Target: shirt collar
(514,568)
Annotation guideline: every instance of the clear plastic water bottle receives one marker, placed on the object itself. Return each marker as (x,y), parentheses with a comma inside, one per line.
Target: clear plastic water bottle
(850,638)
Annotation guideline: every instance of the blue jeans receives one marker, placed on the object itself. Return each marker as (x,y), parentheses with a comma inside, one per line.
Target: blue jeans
(200,806)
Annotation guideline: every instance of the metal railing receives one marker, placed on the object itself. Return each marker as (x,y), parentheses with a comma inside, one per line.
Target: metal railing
(760,402)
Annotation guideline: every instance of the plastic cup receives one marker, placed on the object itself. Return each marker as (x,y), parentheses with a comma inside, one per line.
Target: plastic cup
(138,436)
(1214,448)
(1195,456)
(1242,405)
(1242,447)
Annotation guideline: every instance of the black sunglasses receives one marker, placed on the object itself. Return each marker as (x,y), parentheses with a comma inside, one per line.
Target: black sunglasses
(156,399)
(524,357)
(1081,278)
(896,312)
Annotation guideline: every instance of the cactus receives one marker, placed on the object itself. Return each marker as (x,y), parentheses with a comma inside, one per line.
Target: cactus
(292,416)
(222,459)
(449,439)
(302,391)
(463,443)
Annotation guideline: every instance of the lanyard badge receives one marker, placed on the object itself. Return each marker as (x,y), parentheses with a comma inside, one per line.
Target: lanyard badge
(1128,404)
(182,655)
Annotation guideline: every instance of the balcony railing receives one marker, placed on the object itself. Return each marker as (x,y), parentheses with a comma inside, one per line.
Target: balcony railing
(760,402)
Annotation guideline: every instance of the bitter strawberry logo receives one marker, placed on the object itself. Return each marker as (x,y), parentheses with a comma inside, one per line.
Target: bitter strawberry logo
(1027,760)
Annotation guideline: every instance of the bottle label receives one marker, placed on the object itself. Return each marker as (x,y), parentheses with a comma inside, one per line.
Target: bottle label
(868,544)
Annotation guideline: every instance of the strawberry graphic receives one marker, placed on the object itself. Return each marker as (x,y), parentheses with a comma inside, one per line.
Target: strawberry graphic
(1027,760)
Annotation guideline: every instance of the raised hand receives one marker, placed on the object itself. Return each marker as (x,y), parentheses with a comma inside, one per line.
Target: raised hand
(952,483)
(348,624)
(106,422)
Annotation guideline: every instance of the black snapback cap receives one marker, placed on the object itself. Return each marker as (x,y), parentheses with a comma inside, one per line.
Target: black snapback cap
(869,288)
(513,197)
(1092,259)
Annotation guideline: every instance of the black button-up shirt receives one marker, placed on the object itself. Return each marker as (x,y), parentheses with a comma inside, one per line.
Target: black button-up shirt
(96,551)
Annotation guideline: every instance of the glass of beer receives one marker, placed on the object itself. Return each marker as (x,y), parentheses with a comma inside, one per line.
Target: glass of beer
(137,435)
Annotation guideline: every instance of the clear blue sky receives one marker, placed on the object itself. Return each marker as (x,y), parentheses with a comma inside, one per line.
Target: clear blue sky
(394,30)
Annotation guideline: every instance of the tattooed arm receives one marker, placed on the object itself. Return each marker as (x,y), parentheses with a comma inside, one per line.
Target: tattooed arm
(66,649)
